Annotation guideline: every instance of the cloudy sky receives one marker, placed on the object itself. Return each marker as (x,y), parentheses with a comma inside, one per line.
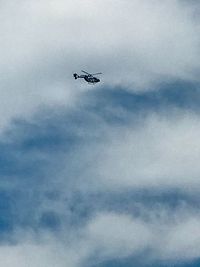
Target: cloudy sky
(105,175)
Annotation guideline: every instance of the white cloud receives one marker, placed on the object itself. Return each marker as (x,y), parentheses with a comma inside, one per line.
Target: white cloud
(52,254)
(159,152)
(168,237)
(109,235)
(117,235)
(183,240)
(134,43)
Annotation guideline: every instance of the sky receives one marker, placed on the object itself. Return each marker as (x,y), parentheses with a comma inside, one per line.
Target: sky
(105,175)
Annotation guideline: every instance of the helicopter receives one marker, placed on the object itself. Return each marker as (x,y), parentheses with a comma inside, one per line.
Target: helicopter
(88,77)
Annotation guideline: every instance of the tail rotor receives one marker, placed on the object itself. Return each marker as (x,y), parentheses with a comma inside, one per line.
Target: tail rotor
(75,76)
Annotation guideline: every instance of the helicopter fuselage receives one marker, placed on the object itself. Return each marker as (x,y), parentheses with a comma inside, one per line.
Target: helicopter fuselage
(90,78)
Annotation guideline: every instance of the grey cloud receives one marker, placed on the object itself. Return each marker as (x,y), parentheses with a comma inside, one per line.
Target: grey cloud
(108,235)
(160,152)
(138,44)
(74,215)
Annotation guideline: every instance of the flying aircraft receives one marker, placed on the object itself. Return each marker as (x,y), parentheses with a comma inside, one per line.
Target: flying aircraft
(88,77)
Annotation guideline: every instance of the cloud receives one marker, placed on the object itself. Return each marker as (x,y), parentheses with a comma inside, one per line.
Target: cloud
(117,235)
(158,152)
(137,44)
(71,173)
(45,254)
(166,237)
(163,235)
(77,203)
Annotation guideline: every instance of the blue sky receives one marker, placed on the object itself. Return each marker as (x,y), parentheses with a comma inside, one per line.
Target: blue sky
(104,175)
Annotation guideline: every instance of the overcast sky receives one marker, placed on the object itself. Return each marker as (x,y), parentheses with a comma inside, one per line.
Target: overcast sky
(105,175)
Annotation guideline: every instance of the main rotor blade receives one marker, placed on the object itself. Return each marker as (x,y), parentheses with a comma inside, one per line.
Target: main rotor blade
(86,72)
(96,73)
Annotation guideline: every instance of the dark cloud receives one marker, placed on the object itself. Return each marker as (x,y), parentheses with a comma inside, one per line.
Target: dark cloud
(105,175)
(34,154)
